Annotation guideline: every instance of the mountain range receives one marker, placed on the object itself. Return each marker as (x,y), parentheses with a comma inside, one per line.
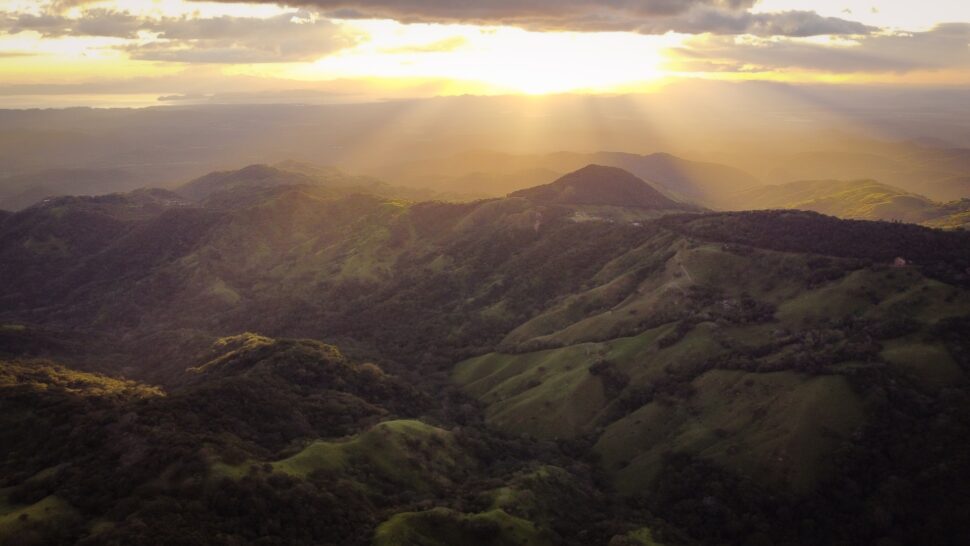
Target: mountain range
(286,355)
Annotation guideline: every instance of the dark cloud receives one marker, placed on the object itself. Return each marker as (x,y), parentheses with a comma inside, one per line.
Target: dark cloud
(510,11)
(644,16)
(789,24)
(944,47)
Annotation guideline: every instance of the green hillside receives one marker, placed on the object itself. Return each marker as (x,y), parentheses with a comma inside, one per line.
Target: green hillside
(546,368)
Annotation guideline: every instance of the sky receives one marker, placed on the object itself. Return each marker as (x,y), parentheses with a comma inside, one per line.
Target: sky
(152,52)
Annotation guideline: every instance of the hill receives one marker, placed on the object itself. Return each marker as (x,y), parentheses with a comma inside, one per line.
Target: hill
(537,376)
(598,185)
(294,423)
(253,176)
(292,173)
(706,184)
(22,190)
(494,174)
(856,199)
(936,172)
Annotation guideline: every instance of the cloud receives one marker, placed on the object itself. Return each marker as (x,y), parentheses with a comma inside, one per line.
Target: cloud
(644,16)
(444,45)
(944,47)
(293,36)
(95,22)
(789,23)
(58,6)
(284,38)
(510,11)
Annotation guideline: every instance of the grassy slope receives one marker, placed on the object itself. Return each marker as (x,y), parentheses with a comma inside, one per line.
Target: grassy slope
(856,199)
(442,527)
(406,452)
(777,426)
(15,518)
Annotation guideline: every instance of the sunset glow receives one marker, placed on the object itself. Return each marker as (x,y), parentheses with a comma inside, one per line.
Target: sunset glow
(51,50)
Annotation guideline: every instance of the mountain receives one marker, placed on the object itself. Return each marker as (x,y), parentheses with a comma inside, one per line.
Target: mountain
(253,176)
(120,445)
(707,184)
(855,199)
(22,190)
(938,173)
(506,373)
(599,185)
(292,173)
(493,174)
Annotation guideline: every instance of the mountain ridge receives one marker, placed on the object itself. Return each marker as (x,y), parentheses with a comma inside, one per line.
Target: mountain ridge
(525,362)
(599,185)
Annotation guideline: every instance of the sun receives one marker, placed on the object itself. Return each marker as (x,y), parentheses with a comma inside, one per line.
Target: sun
(542,63)
(499,58)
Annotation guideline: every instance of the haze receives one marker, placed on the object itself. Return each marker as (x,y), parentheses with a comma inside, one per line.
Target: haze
(485,273)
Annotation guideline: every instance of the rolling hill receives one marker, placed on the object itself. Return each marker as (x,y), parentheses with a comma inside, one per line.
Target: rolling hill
(937,172)
(493,174)
(23,190)
(292,173)
(598,185)
(855,199)
(509,370)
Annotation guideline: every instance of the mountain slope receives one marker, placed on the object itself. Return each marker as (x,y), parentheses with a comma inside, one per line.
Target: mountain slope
(722,370)
(493,174)
(857,199)
(23,190)
(292,173)
(598,185)
(927,170)
(253,176)
(707,184)
(257,422)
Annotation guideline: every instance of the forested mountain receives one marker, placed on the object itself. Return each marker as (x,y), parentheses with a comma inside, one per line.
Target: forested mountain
(588,362)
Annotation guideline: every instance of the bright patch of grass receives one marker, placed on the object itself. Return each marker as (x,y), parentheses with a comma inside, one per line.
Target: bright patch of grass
(408,452)
(443,527)
(48,509)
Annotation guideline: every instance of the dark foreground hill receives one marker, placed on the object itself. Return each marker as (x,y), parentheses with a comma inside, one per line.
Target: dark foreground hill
(510,371)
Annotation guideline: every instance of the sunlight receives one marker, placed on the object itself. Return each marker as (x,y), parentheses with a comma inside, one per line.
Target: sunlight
(504,58)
